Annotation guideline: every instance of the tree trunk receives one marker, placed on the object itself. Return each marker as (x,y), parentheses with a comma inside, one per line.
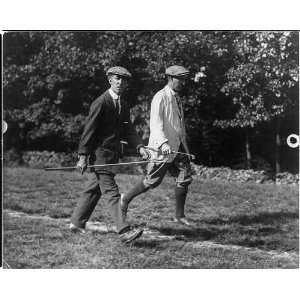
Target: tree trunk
(277,148)
(248,151)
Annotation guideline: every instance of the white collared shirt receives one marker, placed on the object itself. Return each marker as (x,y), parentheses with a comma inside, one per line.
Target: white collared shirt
(115,98)
(166,121)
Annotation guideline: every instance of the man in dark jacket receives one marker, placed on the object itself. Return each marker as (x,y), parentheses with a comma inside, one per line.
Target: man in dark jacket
(107,124)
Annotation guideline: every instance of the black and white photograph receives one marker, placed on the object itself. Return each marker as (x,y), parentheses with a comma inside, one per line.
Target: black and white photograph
(150,149)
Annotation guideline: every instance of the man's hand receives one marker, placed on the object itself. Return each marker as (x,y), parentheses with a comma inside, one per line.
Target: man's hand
(145,153)
(166,149)
(82,163)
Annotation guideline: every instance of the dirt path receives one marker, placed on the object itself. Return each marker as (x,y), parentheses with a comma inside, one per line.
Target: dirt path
(150,234)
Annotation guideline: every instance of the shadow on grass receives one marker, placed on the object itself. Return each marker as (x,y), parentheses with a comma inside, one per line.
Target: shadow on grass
(28,210)
(150,244)
(59,215)
(264,218)
(266,230)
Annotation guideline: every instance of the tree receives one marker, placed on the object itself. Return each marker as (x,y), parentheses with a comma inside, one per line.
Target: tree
(68,69)
(263,82)
(245,78)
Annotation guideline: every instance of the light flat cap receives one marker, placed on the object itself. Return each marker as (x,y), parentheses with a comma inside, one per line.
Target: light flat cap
(117,70)
(177,71)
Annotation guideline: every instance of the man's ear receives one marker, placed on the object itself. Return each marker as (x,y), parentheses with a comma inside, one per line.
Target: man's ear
(126,83)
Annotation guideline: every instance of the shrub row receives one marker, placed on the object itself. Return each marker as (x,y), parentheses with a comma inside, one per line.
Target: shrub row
(43,159)
(255,176)
(37,159)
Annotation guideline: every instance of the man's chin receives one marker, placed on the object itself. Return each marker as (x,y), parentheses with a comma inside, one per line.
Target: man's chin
(117,91)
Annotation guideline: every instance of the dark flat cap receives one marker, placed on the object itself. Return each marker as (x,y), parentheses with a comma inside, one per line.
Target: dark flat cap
(119,71)
(177,71)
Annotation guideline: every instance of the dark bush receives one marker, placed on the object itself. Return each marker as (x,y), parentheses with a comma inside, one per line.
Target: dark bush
(12,157)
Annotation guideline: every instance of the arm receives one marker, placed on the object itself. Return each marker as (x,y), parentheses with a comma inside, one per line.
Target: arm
(87,140)
(88,137)
(185,145)
(184,142)
(157,121)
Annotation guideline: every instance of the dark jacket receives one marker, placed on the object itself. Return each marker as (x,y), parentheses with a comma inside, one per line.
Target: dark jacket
(104,129)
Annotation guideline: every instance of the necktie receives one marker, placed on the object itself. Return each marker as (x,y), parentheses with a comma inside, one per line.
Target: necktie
(179,105)
(117,104)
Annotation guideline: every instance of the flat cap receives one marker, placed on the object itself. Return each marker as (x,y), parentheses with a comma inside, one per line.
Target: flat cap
(117,70)
(177,71)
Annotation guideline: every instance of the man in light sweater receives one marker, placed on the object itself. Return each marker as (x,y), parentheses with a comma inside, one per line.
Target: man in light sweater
(167,134)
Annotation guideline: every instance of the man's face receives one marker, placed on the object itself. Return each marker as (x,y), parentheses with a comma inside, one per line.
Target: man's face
(118,84)
(178,83)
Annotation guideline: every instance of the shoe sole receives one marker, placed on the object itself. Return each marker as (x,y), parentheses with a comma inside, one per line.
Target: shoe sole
(77,230)
(187,225)
(181,223)
(134,237)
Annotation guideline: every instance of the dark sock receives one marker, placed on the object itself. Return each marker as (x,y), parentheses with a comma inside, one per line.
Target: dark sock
(180,196)
(135,191)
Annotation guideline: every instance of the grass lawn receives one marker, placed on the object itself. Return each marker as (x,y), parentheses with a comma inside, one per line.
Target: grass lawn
(256,225)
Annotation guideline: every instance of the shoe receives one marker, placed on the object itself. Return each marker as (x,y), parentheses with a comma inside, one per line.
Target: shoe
(131,235)
(76,229)
(124,207)
(182,221)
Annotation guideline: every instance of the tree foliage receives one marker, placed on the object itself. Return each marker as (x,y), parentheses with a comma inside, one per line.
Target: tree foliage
(263,82)
(242,79)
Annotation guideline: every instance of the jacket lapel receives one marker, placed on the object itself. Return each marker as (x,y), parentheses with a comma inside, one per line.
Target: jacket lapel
(174,102)
(112,105)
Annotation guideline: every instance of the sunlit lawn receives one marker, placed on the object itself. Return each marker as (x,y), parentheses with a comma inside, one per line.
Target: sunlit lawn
(249,215)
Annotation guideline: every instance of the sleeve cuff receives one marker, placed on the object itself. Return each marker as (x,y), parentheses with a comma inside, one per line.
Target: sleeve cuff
(83,151)
(158,144)
(138,147)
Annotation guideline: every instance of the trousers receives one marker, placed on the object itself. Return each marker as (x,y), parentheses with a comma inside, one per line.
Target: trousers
(98,184)
(180,168)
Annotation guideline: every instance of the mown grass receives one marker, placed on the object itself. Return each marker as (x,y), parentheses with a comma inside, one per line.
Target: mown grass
(250,215)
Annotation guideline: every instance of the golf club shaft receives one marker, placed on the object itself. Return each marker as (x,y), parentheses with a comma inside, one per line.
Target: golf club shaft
(99,166)
(187,154)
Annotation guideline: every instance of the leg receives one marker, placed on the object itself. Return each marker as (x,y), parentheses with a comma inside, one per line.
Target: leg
(87,202)
(180,197)
(155,175)
(184,179)
(109,187)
